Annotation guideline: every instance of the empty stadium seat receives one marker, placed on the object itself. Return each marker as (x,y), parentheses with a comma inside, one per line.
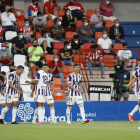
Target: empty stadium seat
(49,24)
(77,59)
(38,35)
(117,47)
(5,68)
(57,83)
(78,23)
(132,42)
(67,70)
(19,60)
(21,12)
(98,35)
(59,95)
(69,35)
(25,72)
(32,71)
(109,60)
(135,54)
(20,23)
(58,46)
(87,47)
(9,35)
(48,57)
(89,13)
(109,24)
(29,44)
(61,13)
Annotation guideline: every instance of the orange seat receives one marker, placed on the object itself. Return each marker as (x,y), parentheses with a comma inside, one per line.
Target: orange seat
(49,58)
(117,47)
(49,24)
(78,23)
(69,35)
(29,44)
(22,14)
(59,95)
(87,47)
(20,23)
(57,83)
(32,71)
(76,59)
(98,35)
(66,87)
(67,70)
(109,60)
(58,46)
(109,24)
(61,13)
(89,13)
(38,35)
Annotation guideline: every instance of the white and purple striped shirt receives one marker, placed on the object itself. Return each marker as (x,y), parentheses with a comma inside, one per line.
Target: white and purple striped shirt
(75,81)
(2,85)
(40,88)
(136,74)
(14,78)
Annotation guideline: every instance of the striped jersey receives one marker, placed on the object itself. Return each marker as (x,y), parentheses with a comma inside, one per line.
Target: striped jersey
(2,85)
(40,88)
(14,78)
(136,74)
(26,30)
(75,81)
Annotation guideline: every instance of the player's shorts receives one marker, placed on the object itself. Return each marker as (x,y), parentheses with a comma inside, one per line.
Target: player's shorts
(2,99)
(39,98)
(49,99)
(137,95)
(11,98)
(72,99)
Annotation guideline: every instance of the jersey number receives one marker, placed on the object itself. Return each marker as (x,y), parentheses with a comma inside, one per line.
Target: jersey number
(44,79)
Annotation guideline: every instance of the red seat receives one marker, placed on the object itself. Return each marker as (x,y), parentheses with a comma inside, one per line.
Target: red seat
(57,83)
(87,47)
(69,35)
(61,13)
(109,60)
(38,35)
(58,46)
(109,24)
(98,35)
(59,95)
(89,13)
(22,14)
(29,44)
(67,70)
(77,59)
(49,24)
(78,23)
(117,47)
(20,23)
(49,58)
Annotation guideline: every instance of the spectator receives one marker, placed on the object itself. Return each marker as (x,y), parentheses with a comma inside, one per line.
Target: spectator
(4,55)
(35,53)
(105,43)
(76,45)
(126,55)
(46,41)
(7,20)
(19,44)
(27,31)
(57,30)
(95,59)
(33,9)
(68,21)
(96,22)
(107,10)
(76,8)
(2,6)
(66,54)
(116,33)
(39,23)
(1,34)
(56,69)
(85,32)
(48,10)
(11,68)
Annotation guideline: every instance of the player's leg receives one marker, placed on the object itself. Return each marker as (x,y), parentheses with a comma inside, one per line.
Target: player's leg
(3,106)
(35,115)
(42,116)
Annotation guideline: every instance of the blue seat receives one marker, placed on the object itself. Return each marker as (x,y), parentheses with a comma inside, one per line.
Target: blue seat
(133,42)
(134,54)
(129,23)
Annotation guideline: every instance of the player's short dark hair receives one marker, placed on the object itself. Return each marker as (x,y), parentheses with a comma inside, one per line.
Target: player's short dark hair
(11,65)
(39,64)
(124,44)
(76,65)
(20,67)
(19,32)
(66,43)
(46,65)
(42,58)
(39,13)
(76,37)
(93,46)
(26,20)
(1,78)
(3,73)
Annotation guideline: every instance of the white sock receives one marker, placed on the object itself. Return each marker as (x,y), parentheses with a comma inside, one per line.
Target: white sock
(68,113)
(52,112)
(134,110)
(35,114)
(14,112)
(43,113)
(82,111)
(3,112)
(39,114)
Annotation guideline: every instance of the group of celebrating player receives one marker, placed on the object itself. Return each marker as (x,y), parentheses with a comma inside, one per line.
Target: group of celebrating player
(42,91)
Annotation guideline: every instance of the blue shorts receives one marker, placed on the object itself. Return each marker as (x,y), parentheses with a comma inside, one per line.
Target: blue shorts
(67,62)
(28,39)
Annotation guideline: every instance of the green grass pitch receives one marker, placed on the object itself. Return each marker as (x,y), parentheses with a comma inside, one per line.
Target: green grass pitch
(110,130)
